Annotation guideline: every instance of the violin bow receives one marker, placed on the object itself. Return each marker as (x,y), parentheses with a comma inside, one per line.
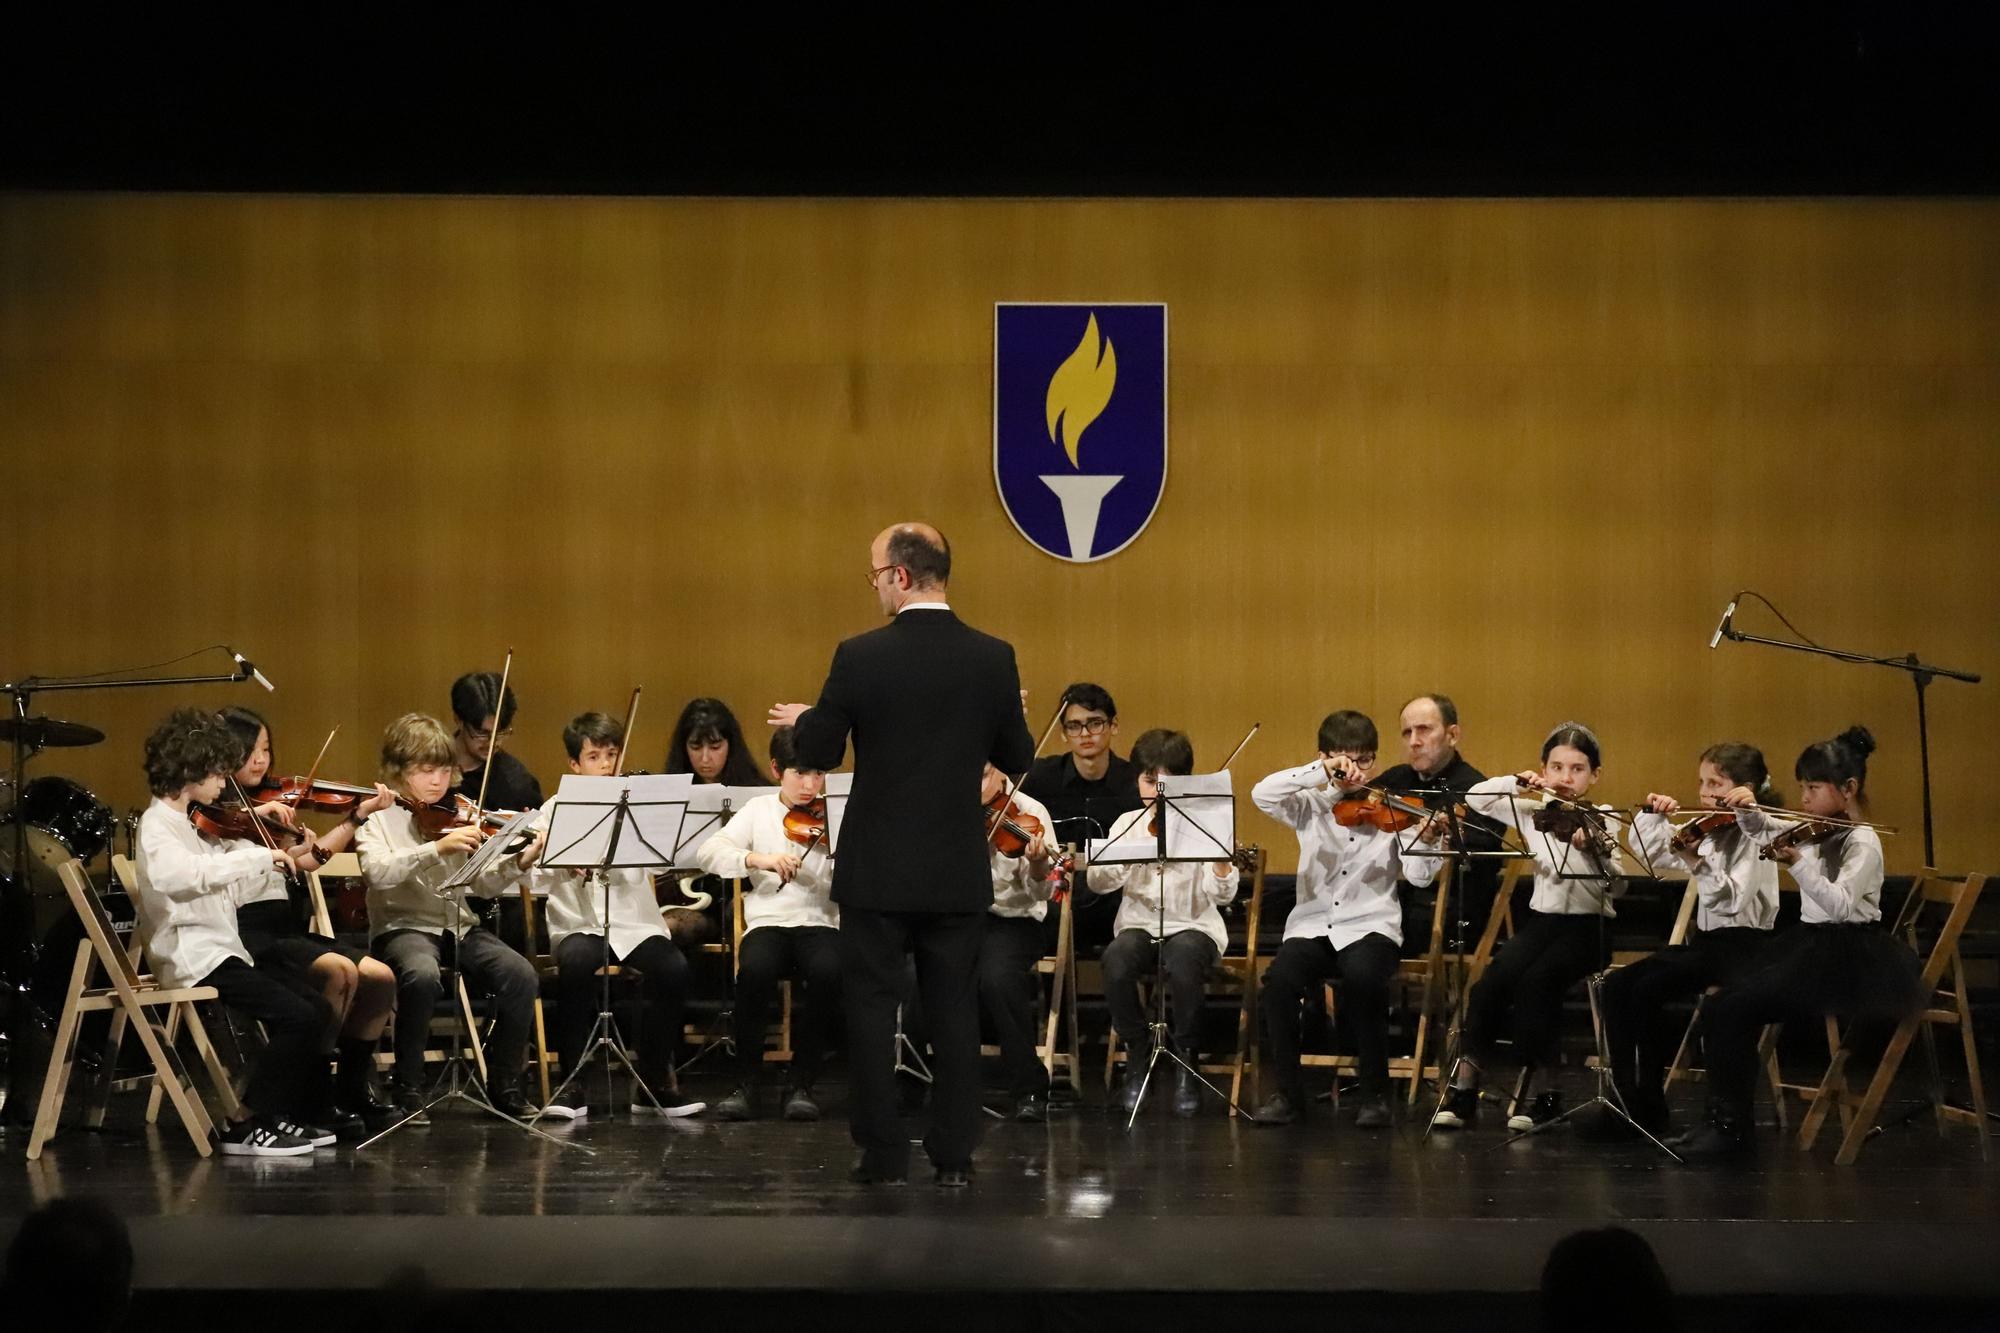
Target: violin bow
(318,759)
(493,749)
(625,745)
(1014,783)
(1255,727)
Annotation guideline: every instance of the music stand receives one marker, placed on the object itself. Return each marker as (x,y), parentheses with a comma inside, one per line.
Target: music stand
(457,1081)
(1183,829)
(601,824)
(711,805)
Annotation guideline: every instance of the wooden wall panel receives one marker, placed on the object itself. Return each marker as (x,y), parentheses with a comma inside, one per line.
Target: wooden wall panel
(1521,451)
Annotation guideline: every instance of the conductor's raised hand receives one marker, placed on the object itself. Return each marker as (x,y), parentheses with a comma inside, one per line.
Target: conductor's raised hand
(786,715)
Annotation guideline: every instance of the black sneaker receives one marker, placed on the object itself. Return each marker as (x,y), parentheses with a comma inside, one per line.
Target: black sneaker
(512,1102)
(800,1107)
(1460,1110)
(741,1104)
(572,1103)
(258,1137)
(1721,1136)
(1187,1095)
(1278,1109)
(1129,1083)
(1374,1114)
(671,1104)
(318,1136)
(1030,1108)
(1546,1107)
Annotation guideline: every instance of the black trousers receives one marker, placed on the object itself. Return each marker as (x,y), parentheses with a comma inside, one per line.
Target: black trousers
(1527,981)
(1365,970)
(1641,1030)
(416,958)
(872,949)
(294,1015)
(1129,959)
(1858,972)
(1007,958)
(664,976)
(770,954)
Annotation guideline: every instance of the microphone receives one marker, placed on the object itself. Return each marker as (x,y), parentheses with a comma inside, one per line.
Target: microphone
(249,669)
(1721,627)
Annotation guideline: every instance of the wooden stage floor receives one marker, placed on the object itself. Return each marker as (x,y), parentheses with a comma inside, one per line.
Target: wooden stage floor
(1170,1223)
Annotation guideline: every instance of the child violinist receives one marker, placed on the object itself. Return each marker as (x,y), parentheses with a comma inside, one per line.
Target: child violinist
(791,928)
(577,924)
(1578,871)
(1836,960)
(417,923)
(1013,944)
(361,989)
(185,894)
(1170,913)
(1349,919)
(1736,904)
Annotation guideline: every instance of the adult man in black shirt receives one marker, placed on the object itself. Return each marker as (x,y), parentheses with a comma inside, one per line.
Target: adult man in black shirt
(483,718)
(1430,741)
(1084,791)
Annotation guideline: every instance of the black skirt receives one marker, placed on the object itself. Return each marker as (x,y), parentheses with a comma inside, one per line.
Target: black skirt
(273,937)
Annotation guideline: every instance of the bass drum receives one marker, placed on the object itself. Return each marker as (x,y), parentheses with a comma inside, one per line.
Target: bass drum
(61,819)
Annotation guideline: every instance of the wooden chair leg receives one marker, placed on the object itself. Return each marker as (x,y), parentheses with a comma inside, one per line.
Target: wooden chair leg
(173,1035)
(1678,1069)
(218,1073)
(472,1029)
(542,1053)
(1832,1089)
(62,1056)
(1971,1046)
(1863,1122)
(1075,1034)
(114,1040)
(194,1117)
(1767,1055)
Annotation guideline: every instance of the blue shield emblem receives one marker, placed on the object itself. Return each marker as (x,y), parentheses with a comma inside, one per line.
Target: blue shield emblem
(1080,423)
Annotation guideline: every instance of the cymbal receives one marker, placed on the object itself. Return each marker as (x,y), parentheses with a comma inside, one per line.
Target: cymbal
(47,732)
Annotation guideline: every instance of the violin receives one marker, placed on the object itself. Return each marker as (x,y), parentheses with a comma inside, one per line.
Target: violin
(1802,834)
(1689,835)
(236,821)
(308,793)
(1560,817)
(455,811)
(1011,828)
(1379,810)
(806,824)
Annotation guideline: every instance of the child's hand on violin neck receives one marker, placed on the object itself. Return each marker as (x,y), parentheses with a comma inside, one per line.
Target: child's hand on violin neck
(1661,805)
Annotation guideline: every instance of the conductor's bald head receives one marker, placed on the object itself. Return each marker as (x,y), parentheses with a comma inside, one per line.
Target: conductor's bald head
(910,562)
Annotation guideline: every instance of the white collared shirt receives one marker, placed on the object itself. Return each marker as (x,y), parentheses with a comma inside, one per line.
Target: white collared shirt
(1347,876)
(1017,890)
(923,606)
(1839,878)
(760,827)
(1568,880)
(186,894)
(1193,893)
(1734,887)
(574,900)
(404,871)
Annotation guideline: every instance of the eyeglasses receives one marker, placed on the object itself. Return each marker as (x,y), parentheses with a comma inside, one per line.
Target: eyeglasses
(1093,726)
(493,735)
(874,574)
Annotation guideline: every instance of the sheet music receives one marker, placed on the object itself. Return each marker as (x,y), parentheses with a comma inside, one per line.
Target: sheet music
(710,806)
(585,811)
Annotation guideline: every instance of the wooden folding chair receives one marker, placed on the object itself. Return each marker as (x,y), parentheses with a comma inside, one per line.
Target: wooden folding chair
(129,996)
(1945,1004)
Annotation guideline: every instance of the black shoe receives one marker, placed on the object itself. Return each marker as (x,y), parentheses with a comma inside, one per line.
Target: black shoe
(1031,1108)
(1187,1094)
(1546,1107)
(666,1101)
(953,1178)
(1723,1136)
(738,1105)
(375,1113)
(1374,1113)
(509,1100)
(1126,1099)
(800,1108)
(257,1136)
(863,1174)
(1460,1110)
(344,1124)
(1278,1109)
(410,1107)
(572,1103)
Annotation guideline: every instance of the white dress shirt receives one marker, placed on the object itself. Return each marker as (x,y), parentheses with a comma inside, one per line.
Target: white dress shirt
(574,900)
(1017,890)
(1347,876)
(1191,890)
(760,827)
(1733,885)
(404,871)
(1839,878)
(1568,880)
(186,894)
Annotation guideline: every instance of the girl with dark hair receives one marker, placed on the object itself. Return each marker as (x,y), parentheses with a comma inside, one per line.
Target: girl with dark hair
(1577,874)
(1837,960)
(361,990)
(1736,904)
(708,742)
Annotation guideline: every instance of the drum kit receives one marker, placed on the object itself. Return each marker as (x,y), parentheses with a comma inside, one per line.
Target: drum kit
(48,820)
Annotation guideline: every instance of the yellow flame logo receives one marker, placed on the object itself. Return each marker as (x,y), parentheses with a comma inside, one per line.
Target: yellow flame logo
(1080,388)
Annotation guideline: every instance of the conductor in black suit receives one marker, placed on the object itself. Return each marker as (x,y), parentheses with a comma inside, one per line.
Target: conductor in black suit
(929,701)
